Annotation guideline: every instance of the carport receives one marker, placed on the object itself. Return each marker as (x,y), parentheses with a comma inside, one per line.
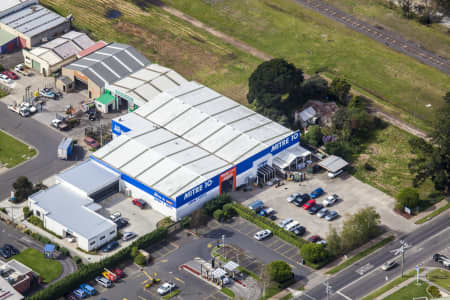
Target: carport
(333,163)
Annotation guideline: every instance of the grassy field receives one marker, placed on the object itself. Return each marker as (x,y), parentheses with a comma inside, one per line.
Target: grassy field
(409,292)
(282,28)
(12,151)
(49,269)
(440,277)
(165,40)
(376,12)
(388,152)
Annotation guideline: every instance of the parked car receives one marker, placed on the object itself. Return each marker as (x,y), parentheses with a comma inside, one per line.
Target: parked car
(5,78)
(316,193)
(91,142)
(283,223)
(335,174)
(10,74)
(300,230)
(92,116)
(103,281)
(331,215)
(313,210)
(388,265)
(297,202)
(292,197)
(140,203)
(263,234)
(121,223)
(292,226)
(47,93)
(111,246)
(80,294)
(439,257)
(309,204)
(88,289)
(323,212)
(322,242)
(314,239)
(70,296)
(128,236)
(4,253)
(268,213)
(302,199)
(115,216)
(166,288)
(10,249)
(330,200)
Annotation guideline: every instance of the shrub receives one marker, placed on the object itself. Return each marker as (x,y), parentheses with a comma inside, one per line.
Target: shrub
(27,231)
(314,253)
(139,259)
(44,240)
(134,251)
(3,210)
(228,210)
(166,222)
(36,221)
(279,271)
(434,291)
(64,251)
(26,212)
(216,203)
(313,136)
(186,222)
(77,260)
(408,197)
(219,215)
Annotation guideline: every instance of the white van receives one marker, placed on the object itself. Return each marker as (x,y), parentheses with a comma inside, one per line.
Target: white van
(292,226)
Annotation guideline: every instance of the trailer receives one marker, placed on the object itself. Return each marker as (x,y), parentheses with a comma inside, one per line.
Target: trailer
(65,148)
(22,111)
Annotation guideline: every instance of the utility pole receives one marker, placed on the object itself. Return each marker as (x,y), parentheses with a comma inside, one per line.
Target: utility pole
(328,289)
(402,249)
(223,245)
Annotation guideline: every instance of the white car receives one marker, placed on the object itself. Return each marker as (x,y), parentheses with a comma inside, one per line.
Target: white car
(5,78)
(29,106)
(128,236)
(115,216)
(263,234)
(330,200)
(322,213)
(283,223)
(166,288)
(335,174)
(293,197)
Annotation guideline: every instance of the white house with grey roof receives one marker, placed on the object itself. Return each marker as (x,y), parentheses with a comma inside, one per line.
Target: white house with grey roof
(104,66)
(69,208)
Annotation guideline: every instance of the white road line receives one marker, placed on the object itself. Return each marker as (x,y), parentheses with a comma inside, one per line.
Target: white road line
(346,297)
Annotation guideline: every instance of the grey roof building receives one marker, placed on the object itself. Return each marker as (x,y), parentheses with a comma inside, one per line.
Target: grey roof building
(34,25)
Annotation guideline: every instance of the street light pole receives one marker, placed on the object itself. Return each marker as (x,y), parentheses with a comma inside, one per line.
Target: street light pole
(223,245)
(403,256)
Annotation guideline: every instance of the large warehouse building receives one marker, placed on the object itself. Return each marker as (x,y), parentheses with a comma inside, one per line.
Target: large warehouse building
(189,144)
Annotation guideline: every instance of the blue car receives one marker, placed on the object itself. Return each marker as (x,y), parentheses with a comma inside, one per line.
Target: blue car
(80,294)
(88,289)
(316,193)
(111,246)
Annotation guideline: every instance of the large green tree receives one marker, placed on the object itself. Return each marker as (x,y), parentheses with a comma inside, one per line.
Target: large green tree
(408,197)
(433,160)
(313,136)
(279,271)
(313,253)
(360,228)
(334,242)
(340,89)
(22,189)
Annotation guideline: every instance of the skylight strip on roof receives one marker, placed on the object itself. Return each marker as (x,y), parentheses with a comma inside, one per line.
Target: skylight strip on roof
(122,63)
(96,74)
(111,70)
(131,159)
(134,57)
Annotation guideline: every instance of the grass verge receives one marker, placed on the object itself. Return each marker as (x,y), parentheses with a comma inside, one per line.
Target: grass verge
(283,28)
(12,151)
(48,269)
(270,292)
(390,286)
(171,294)
(411,291)
(287,297)
(228,292)
(440,277)
(433,214)
(360,255)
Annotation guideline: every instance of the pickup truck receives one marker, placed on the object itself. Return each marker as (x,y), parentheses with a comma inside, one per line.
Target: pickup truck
(59,124)
(21,70)
(31,108)
(23,111)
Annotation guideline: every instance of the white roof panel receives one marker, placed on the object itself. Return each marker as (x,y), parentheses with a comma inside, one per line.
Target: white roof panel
(147,91)
(145,74)
(173,146)
(203,130)
(172,183)
(176,77)
(129,151)
(129,83)
(111,146)
(220,138)
(217,105)
(141,163)
(208,164)
(186,121)
(159,171)
(168,112)
(164,83)
(158,68)
(234,114)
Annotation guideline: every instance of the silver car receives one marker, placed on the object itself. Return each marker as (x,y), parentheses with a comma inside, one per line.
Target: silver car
(331,215)
(103,281)
(323,212)
(128,236)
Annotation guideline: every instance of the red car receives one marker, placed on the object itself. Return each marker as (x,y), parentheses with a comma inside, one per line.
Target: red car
(139,202)
(10,74)
(118,272)
(309,204)
(91,142)
(314,239)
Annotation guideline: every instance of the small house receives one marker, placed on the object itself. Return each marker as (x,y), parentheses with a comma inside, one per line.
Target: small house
(306,117)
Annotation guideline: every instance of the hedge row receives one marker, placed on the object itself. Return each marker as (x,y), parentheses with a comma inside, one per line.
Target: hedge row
(265,223)
(89,271)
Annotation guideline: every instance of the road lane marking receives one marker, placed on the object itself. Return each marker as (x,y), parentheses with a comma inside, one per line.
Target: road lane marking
(364,269)
(176,278)
(346,297)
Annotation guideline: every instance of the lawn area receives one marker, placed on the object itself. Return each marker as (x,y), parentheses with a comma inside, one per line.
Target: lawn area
(410,291)
(165,40)
(49,269)
(388,152)
(12,151)
(377,12)
(390,286)
(282,28)
(440,277)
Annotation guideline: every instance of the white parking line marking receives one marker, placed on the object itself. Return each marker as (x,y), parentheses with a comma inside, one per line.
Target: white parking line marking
(346,297)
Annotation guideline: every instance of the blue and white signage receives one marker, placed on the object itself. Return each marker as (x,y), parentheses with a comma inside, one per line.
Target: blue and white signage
(118,128)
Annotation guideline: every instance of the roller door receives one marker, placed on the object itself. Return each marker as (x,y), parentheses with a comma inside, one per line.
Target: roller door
(106,191)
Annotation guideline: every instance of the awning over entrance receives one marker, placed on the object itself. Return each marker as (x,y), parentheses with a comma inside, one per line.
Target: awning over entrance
(231,266)
(105,98)
(333,163)
(285,158)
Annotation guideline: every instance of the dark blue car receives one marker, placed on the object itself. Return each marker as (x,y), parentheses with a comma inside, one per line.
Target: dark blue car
(316,193)
(111,246)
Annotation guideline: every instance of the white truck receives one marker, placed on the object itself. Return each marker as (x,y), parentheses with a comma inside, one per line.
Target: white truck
(31,108)
(21,70)
(22,111)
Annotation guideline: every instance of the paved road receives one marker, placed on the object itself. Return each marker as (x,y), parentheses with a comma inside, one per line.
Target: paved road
(390,39)
(43,138)
(366,276)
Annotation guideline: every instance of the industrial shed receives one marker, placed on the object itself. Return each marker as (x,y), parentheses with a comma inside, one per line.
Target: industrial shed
(136,89)
(333,163)
(51,56)
(104,66)
(69,207)
(33,24)
(189,144)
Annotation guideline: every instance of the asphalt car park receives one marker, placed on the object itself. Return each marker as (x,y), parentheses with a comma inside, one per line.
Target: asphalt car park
(354,195)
